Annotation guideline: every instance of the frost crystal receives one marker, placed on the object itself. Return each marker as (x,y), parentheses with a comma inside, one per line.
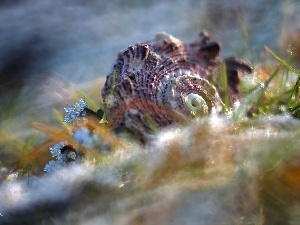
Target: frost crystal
(61,151)
(56,149)
(76,111)
(57,164)
(53,165)
(64,154)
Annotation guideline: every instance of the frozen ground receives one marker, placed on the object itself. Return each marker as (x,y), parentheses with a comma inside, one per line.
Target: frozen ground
(213,172)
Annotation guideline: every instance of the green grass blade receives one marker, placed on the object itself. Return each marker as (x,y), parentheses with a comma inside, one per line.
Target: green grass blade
(293,107)
(282,61)
(224,86)
(60,118)
(241,110)
(295,91)
(92,105)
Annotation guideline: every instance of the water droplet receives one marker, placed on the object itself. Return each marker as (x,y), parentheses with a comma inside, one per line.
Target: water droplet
(290,50)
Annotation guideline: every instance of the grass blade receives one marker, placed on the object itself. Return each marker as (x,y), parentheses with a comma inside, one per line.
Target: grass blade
(282,61)
(224,86)
(241,110)
(293,107)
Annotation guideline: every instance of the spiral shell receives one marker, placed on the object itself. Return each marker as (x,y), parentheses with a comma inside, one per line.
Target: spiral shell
(161,82)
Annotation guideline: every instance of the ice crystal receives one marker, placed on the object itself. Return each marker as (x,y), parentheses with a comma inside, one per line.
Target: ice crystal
(56,149)
(63,153)
(75,112)
(53,165)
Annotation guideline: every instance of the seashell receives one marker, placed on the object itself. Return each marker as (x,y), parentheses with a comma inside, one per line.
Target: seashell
(164,81)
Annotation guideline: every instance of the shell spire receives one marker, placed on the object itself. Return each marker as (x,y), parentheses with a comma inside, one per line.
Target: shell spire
(164,81)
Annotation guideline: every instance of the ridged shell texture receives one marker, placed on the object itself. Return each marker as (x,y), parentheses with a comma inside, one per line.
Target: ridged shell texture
(162,81)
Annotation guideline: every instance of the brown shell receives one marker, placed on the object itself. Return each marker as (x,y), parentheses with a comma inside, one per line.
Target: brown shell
(164,81)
